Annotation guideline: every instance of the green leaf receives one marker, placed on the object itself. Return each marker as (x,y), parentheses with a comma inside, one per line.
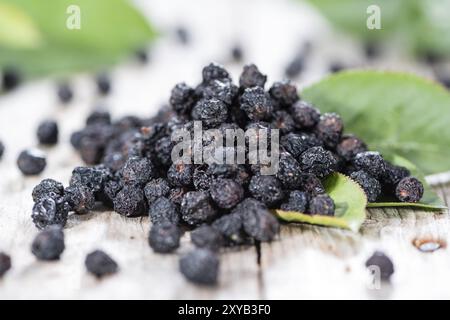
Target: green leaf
(395,113)
(350,201)
(17,29)
(110,31)
(429,201)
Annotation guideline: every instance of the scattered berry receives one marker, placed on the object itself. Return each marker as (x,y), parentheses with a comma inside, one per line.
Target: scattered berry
(214,71)
(297,201)
(11,79)
(47,132)
(318,161)
(200,266)
(162,209)
(252,77)
(49,243)
(256,103)
(207,237)
(5,263)
(164,237)
(48,188)
(382,263)
(371,162)
(103,84)
(196,208)
(370,185)
(237,53)
(266,189)
(100,264)
(130,201)
(137,171)
(182,98)
(155,189)
(180,174)
(226,193)
(182,35)
(294,67)
(2,149)
(65,93)
(329,129)
(31,162)
(284,93)
(80,198)
(48,211)
(230,226)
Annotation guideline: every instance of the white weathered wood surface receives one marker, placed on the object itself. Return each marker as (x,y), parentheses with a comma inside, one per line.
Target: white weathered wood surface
(305,262)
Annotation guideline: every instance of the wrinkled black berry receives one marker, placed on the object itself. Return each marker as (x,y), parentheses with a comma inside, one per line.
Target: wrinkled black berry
(156,188)
(11,79)
(409,189)
(164,237)
(80,198)
(92,177)
(182,98)
(350,146)
(201,178)
(393,175)
(214,71)
(48,188)
(370,185)
(212,113)
(224,91)
(296,144)
(99,117)
(176,195)
(100,264)
(196,208)
(371,162)
(48,211)
(180,174)
(200,266)
(137,171)
(252,77)
(294,67)
(321,204)
(5,263)
(103,84)
(130,201)
(305,115)
(207,237)
(49,243)
(297,201)
(380,265)
(65,93)
(162,209)
(289,171)
(256,104)
(230,226)
(226,193)
(267,189)
(47,132)
(31,162)
(329,129)
(258,222)
(284,93)
(318,161)
(283,121)
(312,185)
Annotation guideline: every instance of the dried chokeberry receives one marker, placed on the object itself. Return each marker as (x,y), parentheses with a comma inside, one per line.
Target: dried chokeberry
(200,266)
(49,243)
(297,143)
(31,162)
(2,149)
(350,146)
(5,263)
(11,78)
(80,198)
(231,227)
(164,237)
(322,205)
(237,53)
(156,188)
(372,162)
(103,84)
(65,93)
(214,71)
(197,208)
(409,189)
(47,188)
(283,121)
(295,67)
(130,201)
(100,264)
(267,189)
(380,265)
(99,117)
(284,93)
(182,35)
(137,171)
(180,174)
(329,129)
(305,115)
(207,237)
(289,171)
(252,77)
(162,209)
(370,185)
(211,112)
(312,185)
(226,193)
(318,161)
(182,98)
(297,201)
(47,132)
(256,104)
(393,175)
(48,211)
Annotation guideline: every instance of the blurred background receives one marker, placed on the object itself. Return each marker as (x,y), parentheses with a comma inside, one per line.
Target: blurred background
(127,55)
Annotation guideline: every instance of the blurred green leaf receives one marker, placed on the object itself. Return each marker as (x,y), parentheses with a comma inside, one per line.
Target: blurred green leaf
(395,113)
(17,29)
(420,25)
(110,30)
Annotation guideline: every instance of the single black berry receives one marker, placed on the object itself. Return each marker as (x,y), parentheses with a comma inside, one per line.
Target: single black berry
(322,205)
(137,171)
(226,193)
(200,266)
(11,78)
(256,103)
(5,263)
(103,84)
(371,162)
(180,174)
(47,132)
(2,149)
(48,211)
(214,71)
(305,115)
(156,188)
(182,98)
(211,112)
(267,189)
(31,162)
(237,53)
(329,129)
(252,77)
(370,185)
(297,201)
(318,161)
(48,188)
(100,264)
(130,201)
(284,93)
(164,237)
(197,208)
(65,93)
(49,243)
(80,198)
(350,146)
(162,209)
(231,227)
(289,171)
(381,265)
(409,189)
(207,237)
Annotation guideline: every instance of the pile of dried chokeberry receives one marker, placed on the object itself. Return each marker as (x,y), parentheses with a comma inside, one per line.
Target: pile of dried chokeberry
(131,170)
